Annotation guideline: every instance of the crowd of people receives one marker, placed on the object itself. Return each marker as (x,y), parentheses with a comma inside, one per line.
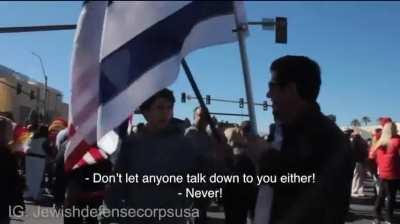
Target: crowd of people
(379,159)
(28,153)
(302,140)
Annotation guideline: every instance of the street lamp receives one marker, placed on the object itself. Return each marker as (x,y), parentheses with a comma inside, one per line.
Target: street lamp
(45,85)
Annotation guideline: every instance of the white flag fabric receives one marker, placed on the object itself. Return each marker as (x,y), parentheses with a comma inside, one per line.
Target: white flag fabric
(127,51)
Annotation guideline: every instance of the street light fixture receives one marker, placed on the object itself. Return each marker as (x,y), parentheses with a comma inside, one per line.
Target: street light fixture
(45,85)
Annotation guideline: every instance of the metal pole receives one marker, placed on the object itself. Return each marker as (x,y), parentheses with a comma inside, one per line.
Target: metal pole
(229,114)
(240,29)
(36,28)
(200,98)
(189,97)
(45,86)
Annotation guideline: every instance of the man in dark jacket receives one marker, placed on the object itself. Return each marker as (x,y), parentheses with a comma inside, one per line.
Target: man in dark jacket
(312,144)
(11,202)
(156,148)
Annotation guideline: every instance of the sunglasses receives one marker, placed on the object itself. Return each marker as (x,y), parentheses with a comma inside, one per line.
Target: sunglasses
(274,84)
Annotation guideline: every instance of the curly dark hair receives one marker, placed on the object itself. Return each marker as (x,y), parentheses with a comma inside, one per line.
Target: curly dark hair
(164,93)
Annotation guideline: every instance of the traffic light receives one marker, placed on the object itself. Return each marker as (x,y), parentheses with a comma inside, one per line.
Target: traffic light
(241,103)
(281,30)
(265,105)
(183,97)
(19,88)
(208,99)
(32,95)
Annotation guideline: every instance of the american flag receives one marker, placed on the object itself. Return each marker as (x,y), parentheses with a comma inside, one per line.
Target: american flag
(85,75)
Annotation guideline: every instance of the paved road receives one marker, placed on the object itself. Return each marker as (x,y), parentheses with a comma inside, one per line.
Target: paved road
(360,210)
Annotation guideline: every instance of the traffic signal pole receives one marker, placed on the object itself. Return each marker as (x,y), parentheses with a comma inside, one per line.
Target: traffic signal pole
(241,30)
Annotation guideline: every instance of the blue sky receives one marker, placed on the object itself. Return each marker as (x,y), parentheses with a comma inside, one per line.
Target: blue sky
(357,45)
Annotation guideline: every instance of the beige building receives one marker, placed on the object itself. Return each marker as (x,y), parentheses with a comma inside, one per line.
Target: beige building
(30,97)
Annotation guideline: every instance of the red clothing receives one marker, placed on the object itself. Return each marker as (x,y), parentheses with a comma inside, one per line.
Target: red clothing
(388,160)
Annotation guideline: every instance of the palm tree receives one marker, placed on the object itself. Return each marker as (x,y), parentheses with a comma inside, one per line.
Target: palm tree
(355,123)
(366,120)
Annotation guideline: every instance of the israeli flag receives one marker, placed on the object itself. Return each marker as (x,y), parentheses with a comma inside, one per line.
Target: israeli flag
(143,44)
(124,52)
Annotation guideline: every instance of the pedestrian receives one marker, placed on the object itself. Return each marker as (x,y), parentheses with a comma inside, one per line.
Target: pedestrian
(155,148)
(35,162)
(349,133)
(60,181)
(247,136)
(203,142)
(386,152)
(312,144)
(360,149)
(372,166)
(10,188)
(51,151)
(55,127)
(240,198)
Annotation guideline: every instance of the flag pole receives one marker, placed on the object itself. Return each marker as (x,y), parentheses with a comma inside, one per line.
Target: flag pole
(240,30)
(200,99)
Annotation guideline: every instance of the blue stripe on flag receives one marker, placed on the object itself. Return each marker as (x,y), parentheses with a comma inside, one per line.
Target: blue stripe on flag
(153,46)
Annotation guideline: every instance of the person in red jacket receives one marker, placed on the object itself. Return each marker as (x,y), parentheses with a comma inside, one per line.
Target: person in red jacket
(386,152)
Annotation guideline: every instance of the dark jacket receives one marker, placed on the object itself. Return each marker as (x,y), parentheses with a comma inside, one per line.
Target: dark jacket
(313,144)
(360,148)
(143,153)
(11,187)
